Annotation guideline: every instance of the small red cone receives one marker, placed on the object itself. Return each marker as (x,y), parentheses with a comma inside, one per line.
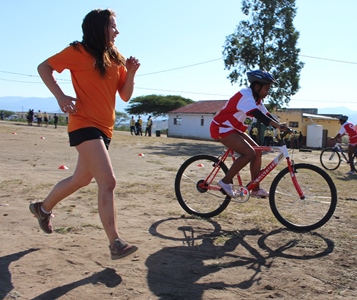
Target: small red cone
(63,167)
(200,165)
(141,154)
(14,133)
(42,138)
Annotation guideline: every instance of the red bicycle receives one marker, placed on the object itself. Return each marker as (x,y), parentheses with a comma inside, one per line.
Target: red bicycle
(302,196)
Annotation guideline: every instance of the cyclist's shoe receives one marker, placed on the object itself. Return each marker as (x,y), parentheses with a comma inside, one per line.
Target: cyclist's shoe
(228,188)
(352,172)
(260,193)
(44,220)
(120,249)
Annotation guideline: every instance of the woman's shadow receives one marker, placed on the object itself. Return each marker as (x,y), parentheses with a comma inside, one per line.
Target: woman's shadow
(5,275)
(108,276)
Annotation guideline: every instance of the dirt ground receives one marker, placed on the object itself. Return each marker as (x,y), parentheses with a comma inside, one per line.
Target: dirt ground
(244,253)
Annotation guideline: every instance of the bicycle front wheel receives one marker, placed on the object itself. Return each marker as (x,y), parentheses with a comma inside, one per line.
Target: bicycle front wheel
(309,213)
(330,159)
(195,198)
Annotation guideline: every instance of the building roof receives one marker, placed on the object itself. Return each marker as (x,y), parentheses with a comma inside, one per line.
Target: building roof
(201,107)
(321,117)
(213,106)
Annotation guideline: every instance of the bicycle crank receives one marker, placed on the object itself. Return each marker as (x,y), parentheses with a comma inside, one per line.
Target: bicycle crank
(243,195)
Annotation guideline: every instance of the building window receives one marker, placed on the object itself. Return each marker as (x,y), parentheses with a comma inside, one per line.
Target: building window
(293,124)
(177,121)
(202,122)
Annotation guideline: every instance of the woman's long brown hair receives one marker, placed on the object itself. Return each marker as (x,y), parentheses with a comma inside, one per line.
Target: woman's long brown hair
(95,40)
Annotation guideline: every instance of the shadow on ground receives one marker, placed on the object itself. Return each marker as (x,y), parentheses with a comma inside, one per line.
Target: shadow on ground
(179,272)
(108,276)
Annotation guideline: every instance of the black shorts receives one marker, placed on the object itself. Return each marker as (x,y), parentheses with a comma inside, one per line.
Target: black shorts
(85,134)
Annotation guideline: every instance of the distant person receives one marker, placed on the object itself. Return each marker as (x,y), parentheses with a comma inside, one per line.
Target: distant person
(268,136)
(55,120)
(300,138)
(39,119)
(98,72)
(132,126)
(45,119)
(148,126)
(349,129)
(296,140)
(2,115)
(254,134)
(138,128)
(29,117)
(287,139)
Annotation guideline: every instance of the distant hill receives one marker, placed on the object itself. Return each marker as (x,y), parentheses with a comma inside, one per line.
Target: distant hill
(352,114)
(23,104)
(50,105)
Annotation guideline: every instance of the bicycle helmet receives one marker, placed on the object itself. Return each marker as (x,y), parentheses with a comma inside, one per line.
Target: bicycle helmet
(260,76)
(343,118)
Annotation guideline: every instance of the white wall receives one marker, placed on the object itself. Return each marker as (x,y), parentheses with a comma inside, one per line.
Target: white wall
(190,126)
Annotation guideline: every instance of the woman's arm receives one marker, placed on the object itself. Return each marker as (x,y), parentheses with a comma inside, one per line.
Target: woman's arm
(132,65)
(64,102)
(46,74)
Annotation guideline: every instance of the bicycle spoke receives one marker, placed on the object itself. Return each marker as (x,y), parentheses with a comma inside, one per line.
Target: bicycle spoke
(330,159)
(192,196)
(312,211)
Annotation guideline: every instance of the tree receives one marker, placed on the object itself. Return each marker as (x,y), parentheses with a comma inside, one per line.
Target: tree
(156,105)
(120,117)
(267,42)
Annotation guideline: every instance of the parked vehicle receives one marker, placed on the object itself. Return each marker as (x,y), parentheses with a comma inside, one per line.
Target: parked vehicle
(12,117)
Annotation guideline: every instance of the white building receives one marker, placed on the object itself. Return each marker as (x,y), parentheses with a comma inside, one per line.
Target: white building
(193,120)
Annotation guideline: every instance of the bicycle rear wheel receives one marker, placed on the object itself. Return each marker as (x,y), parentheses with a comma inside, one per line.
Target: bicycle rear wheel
(303,214)
(330,159)
(195,199)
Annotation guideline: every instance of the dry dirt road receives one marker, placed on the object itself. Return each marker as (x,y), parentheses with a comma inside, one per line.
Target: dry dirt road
(244,253)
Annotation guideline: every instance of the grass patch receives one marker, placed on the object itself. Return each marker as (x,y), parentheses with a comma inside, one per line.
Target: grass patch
(94,226)
(222,239)
(65,230)
(11,183)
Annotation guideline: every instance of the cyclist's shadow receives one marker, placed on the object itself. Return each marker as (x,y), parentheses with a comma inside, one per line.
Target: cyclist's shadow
(174,272)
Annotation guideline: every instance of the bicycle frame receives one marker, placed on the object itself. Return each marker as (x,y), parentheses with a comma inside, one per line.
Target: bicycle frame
(283,153)
(338,149)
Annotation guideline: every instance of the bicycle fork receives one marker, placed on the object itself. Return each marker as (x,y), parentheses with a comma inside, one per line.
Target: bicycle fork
(294,179)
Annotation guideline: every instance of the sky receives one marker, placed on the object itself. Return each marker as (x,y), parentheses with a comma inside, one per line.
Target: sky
(179,44)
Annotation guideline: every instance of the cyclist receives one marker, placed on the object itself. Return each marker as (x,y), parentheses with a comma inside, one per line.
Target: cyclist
(230,123)
(349,129)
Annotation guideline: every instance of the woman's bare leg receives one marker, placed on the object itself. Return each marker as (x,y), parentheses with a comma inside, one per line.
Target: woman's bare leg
(80,178)
(96,158)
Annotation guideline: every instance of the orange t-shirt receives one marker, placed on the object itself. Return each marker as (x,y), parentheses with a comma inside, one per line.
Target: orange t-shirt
(95,95)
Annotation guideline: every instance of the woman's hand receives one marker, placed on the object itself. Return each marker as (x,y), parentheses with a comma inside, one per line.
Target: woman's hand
(67,104)
(132,64)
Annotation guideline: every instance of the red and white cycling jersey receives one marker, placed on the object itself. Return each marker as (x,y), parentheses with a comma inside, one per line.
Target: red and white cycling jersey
(350,129)
(236,113)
